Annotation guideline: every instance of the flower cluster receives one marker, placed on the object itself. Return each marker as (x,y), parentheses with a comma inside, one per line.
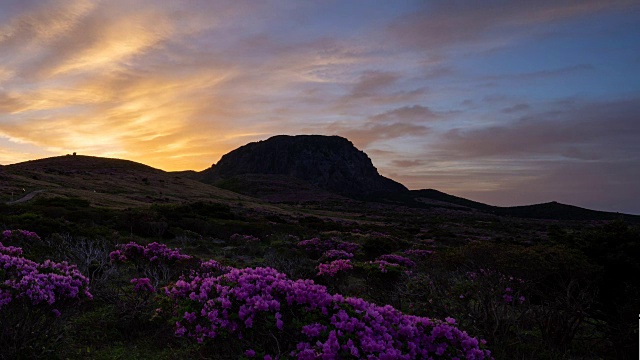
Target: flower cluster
(336,255)
(314,244)
(10,250)
(419,253)
(154,252)
(397,259)
(378,234)
(142,285)
(331,269)
(20,235)
(509,286)
(318,245)
(243,239)
(383,265)
(39,283)
(508,296)
(211,266)
(315,323)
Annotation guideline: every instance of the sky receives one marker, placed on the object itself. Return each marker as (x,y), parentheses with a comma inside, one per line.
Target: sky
(504,102)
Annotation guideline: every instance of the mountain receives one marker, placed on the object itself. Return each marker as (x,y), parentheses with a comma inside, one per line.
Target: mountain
(323,171)
(430,198)
(329,162)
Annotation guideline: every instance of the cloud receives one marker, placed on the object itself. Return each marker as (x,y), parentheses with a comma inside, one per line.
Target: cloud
(364,135)
(414,113)
(516,108)
(10,103)
(401,122)
(594,130)
(374,88)
(56,37)
(603,185)
(40,22)
(109,79)
(537,75)
(372,82)
(575,152)
(445,24)
(407,163)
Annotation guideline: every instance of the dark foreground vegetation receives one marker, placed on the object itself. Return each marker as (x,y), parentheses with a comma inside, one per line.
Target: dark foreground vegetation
(213,280)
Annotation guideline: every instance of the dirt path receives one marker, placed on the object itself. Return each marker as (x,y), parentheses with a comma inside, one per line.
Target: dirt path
(27,197)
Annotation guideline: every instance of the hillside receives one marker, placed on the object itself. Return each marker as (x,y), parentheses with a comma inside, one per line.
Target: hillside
(277,188)
(104,182)
(430,198)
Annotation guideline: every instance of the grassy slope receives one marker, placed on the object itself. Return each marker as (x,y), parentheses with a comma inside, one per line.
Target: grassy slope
(106,182)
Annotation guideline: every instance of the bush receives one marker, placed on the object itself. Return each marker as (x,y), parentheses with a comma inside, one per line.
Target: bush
(301,319)
(376,244)
(32,296)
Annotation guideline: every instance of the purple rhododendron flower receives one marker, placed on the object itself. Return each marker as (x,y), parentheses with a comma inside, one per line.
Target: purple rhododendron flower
(142,284)
(244,238)
(418,252)
(154,252)
(38,283)
(397,259)
(332,268)
(384,265)
(231,304)
(336,255)
(250,353)
(316,244)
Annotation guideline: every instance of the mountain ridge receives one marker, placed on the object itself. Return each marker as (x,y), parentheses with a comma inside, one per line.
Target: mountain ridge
(552,210)
(123,183)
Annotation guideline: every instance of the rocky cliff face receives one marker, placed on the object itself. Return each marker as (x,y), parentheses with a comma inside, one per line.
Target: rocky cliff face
(329,162)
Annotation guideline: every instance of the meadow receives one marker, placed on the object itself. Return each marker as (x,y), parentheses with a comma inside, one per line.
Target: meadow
(324,279)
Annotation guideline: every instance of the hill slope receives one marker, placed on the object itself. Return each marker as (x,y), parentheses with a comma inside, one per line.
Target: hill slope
(104,182)
(430,198)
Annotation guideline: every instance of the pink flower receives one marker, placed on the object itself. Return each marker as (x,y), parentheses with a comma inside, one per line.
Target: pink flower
(332,268)
(142,284)
(397,259)
(340,326)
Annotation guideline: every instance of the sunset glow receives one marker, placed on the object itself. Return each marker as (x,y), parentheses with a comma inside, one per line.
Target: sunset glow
(506,102)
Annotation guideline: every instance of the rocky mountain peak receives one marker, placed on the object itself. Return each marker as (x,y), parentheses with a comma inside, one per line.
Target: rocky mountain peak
(329,162)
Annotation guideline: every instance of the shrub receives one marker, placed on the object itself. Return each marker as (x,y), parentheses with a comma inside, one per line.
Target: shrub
(21,238)
(376,244)
(305,321)
(243,239)
(316,246)
(91,256)
(397,259)
(31,297)
(331,269)
(335,255)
